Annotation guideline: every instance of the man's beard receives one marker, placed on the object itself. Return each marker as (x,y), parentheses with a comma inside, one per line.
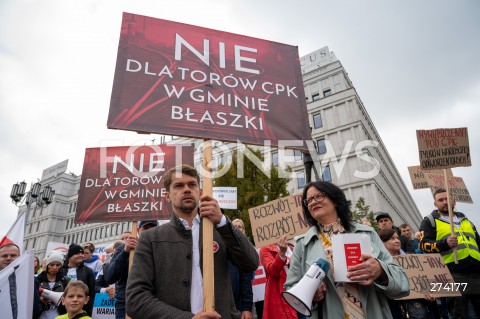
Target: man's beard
(444,210)
(187,208)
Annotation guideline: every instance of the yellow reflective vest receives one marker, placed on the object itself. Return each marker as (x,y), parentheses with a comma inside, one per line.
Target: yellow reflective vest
(467,245)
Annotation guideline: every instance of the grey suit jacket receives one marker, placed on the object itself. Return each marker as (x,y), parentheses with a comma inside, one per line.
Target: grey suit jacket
(159,281)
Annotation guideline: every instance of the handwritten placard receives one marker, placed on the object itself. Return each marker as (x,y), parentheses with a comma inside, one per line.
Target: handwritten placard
(456,185)
(428,274)
(443,148)
(417,176)
(274,219)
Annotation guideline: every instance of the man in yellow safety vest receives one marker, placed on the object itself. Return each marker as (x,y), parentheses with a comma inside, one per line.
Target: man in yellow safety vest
(436,237)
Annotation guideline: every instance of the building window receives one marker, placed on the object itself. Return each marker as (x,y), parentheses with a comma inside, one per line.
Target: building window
(317,121)
(30,228)
(275,159)
(74,206)
(297,155)
(33,243)
(326,175)
(321,147)
(70,209)
(327,93)
(316,96)
(300,179)
(38,226)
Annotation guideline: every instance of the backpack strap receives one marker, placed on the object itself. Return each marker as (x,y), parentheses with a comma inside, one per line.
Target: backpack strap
(431,219)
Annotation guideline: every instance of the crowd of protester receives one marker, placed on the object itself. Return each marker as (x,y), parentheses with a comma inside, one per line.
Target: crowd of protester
(165,280)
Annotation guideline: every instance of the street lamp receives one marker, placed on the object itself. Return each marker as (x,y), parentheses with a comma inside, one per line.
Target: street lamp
(41,197)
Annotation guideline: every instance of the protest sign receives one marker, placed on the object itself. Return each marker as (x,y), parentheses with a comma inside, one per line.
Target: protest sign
(274,219)
(428,274)
(185,80)
(225,196)
(456,186)
(103,307)
(443,148)
(126,183)
(417,176)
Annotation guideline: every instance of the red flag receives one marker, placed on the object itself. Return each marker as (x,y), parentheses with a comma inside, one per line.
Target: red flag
(16,233)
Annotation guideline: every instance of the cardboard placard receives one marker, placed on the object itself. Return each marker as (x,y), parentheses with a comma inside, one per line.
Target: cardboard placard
(456,186)
(417,176)
(428,274)
(274,219)
(443,148)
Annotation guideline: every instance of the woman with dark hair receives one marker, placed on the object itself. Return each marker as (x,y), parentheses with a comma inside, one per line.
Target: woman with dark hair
(413,308)
(327,210)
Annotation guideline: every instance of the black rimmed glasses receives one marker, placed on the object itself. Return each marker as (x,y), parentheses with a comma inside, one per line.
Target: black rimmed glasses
(317,197)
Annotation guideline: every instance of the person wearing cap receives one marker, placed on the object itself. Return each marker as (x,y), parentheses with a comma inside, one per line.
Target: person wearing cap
(117,270)
(166,279)
(74,268)
(52,279)
(385,221)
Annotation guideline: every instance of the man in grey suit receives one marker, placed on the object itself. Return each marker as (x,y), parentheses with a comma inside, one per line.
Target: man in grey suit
(165,280)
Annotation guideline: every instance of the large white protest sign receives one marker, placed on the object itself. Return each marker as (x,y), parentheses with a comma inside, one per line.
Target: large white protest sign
(16,288)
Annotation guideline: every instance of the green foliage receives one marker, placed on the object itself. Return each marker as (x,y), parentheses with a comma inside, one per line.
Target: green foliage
(253,189)
(362,211)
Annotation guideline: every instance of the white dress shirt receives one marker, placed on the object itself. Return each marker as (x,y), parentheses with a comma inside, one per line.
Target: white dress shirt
(196,292)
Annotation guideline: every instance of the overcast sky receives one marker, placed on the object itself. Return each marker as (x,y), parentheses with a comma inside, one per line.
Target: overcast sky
(413,63)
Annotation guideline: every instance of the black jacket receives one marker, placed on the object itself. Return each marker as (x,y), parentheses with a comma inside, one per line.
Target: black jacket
(117,273)
(241,287)
(430,244)
(405,242)
(84,274)
(60,283)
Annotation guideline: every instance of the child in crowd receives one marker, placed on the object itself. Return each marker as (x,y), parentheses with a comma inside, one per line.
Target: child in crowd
(74,298)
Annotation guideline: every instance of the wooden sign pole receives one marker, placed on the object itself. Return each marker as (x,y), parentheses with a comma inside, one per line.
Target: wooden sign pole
(450,212)
(207,239)
(132,252)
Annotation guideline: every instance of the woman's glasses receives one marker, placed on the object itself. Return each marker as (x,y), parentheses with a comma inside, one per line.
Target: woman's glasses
(317,197)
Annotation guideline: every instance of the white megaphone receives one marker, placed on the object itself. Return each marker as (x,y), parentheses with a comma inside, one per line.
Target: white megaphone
(53,296)
(300,296)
